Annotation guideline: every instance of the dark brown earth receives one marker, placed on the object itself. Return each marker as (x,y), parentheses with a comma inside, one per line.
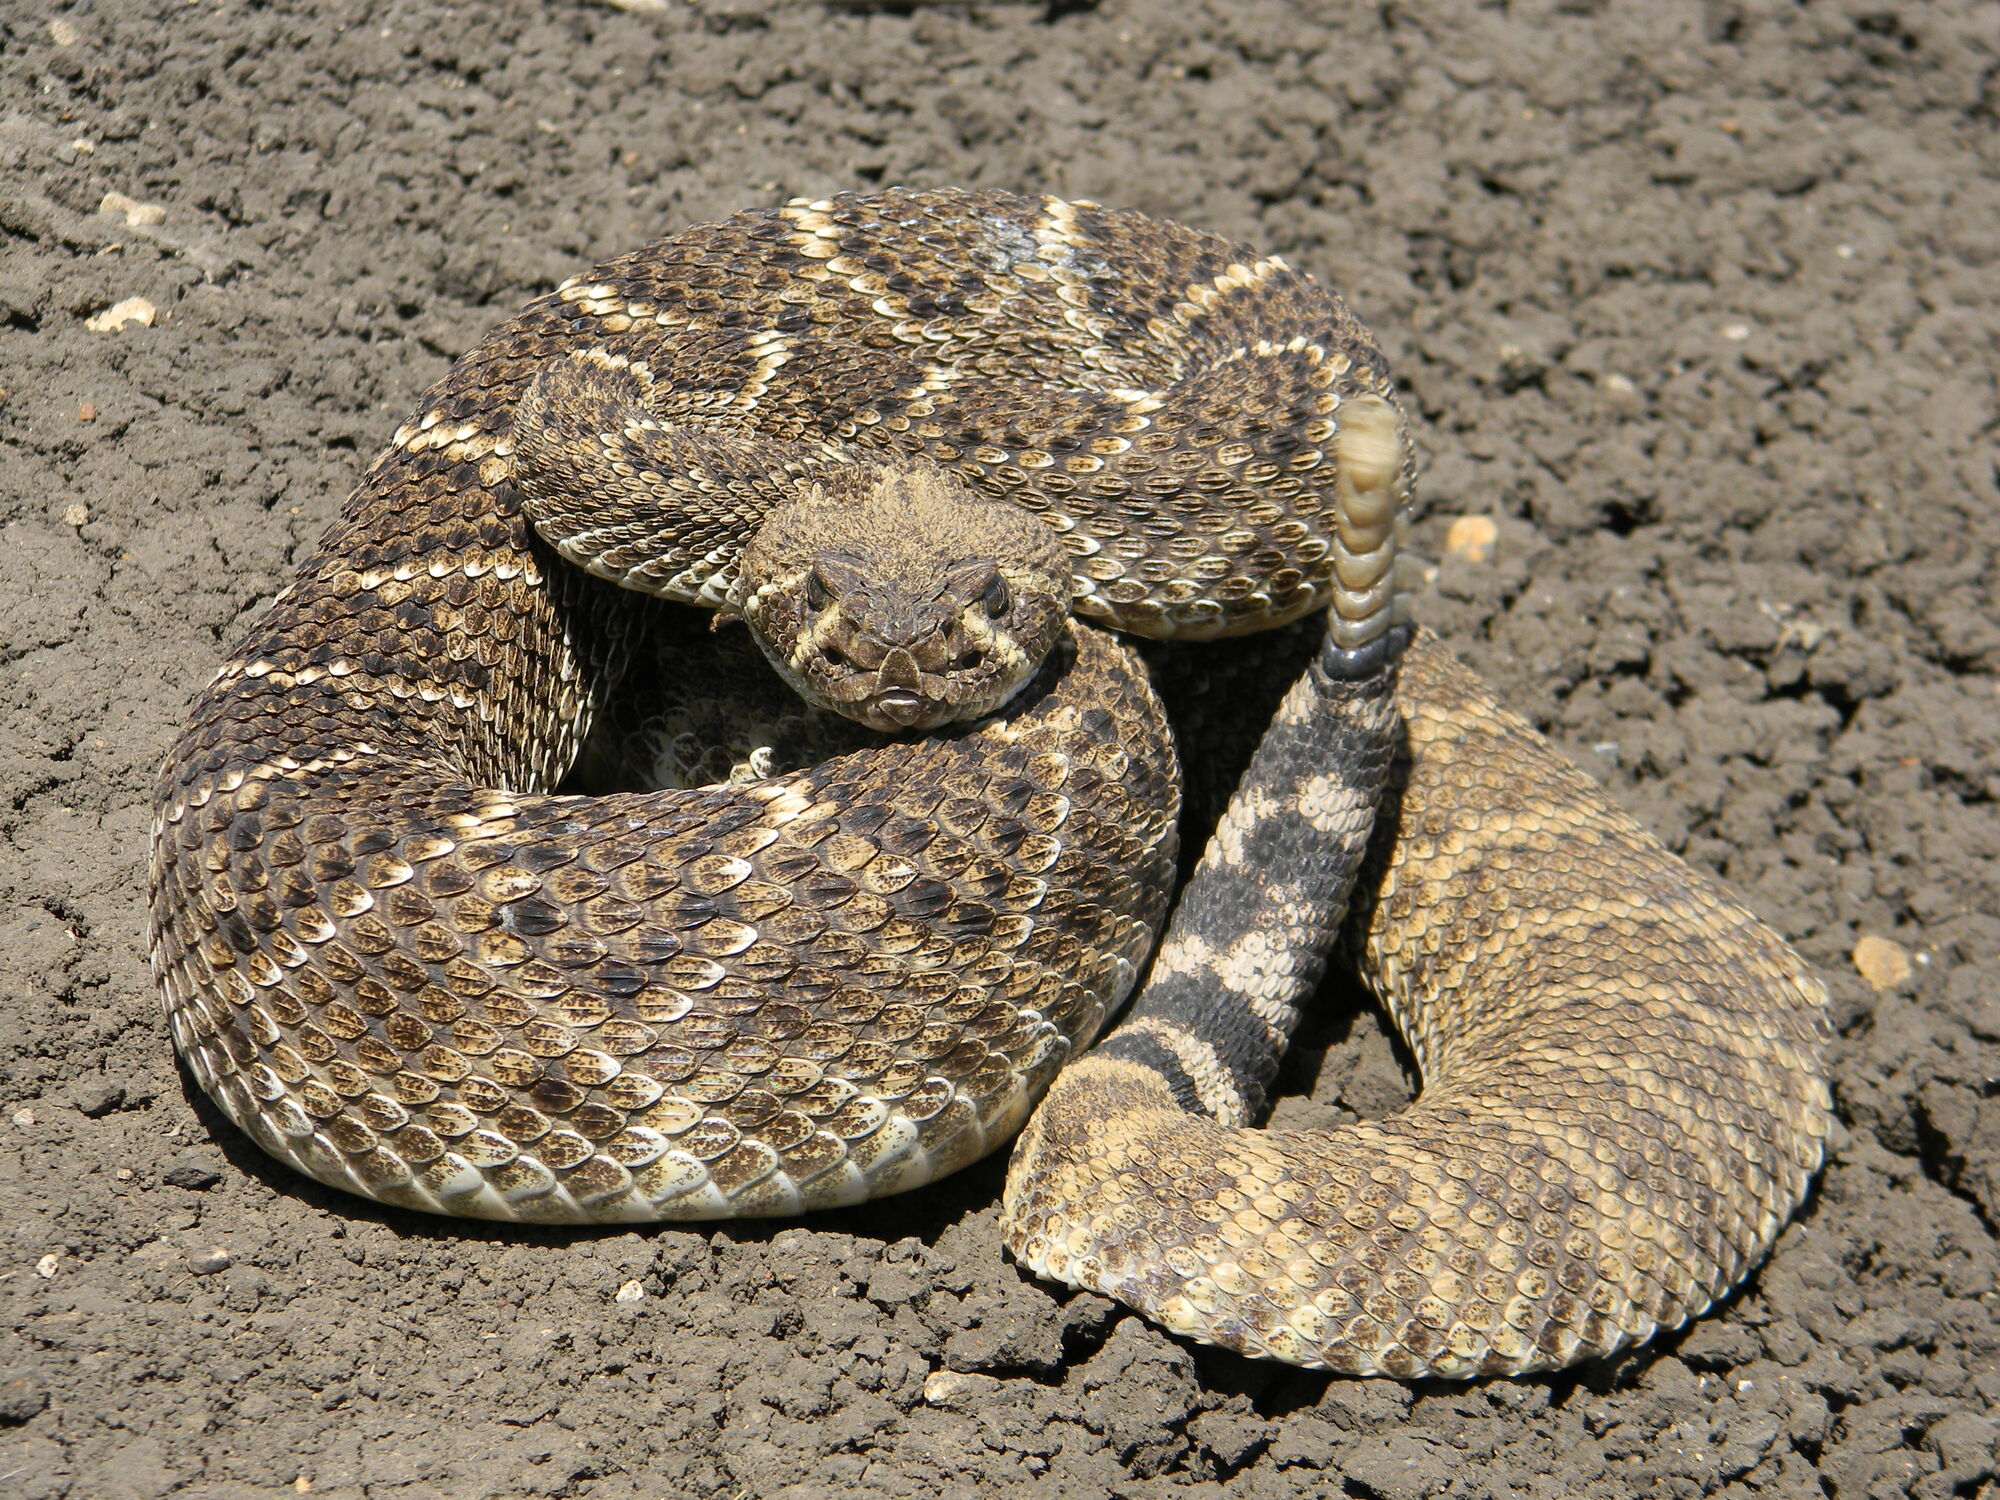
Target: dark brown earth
(1698,303)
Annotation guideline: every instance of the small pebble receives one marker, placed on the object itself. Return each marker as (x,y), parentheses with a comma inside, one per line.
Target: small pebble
(21,1397)
(1471,538)
(24,1118)
(193,1170)
(1736,333)
(75,515)
(631,1291)
(137,215)
(210,1261)
(63,34)
(46,1266)
(956,1390)
(1520,364)
(97,1097)
(87,412)
(1882,963)
(1621,395)
(131,310)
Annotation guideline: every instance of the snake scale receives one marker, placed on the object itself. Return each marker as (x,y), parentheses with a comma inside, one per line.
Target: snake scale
(405,963)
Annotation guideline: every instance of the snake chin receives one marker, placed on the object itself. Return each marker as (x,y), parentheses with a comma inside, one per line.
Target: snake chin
(904,601)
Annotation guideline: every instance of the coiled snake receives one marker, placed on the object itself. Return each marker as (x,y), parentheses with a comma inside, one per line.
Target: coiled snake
(405,965)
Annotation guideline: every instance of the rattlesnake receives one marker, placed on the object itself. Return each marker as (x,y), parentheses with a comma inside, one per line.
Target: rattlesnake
(405,966)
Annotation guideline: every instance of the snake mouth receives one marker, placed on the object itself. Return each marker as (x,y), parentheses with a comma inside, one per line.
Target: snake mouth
(902,707)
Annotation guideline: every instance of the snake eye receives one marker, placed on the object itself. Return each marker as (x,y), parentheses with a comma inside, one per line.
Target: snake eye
(818,595)
(998,598)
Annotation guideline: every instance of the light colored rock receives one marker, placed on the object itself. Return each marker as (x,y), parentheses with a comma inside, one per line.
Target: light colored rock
(1882,963)
(115,317)
(136,214)
(959,1391)
(1471,539)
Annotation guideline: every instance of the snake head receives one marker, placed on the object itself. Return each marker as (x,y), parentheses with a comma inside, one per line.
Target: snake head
(901,598)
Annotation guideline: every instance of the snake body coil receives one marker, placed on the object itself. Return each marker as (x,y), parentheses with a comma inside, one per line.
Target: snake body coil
(406,965)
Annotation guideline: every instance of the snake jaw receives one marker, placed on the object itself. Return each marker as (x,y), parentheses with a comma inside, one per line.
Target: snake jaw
(898,689)
(948,674)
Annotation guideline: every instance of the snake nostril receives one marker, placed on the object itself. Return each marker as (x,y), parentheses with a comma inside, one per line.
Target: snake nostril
(967,660)
(834,657)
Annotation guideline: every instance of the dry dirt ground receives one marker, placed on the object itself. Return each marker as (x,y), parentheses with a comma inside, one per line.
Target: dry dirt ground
(1698,305)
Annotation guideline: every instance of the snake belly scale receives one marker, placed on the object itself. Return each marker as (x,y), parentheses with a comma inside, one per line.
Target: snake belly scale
(405,965)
